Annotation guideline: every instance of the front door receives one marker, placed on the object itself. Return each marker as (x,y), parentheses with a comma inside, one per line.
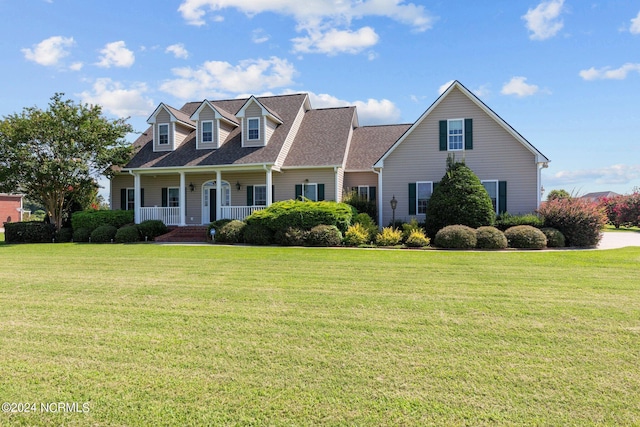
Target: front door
(212,204)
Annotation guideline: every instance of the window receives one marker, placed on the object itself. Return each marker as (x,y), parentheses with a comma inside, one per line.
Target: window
(363,192)
(163,134)
(492,188)
(207,132)
(455,134)
(130,203)
(260,195)
(424,191)
(173,197)
(254,128)
(310,191)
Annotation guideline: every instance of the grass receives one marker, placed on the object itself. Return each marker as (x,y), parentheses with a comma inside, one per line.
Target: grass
(214,335)
(612,228)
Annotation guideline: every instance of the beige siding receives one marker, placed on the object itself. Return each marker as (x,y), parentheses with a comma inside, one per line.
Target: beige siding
(206,114)
(285,182)
(224,130)
(271,126)
(295,127)
(253,111)
(181,133)
(119,182)
(162,117)
(353,179)
(495,155)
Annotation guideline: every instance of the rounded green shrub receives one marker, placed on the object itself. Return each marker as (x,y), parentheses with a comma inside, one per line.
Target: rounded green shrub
(303,214)
(356,235)
(128,234)
(81,234)
(64,235)
(389,236)
(93,219)
(104,234)
(230,232)
(152,228)
(417,239)
(291,236)
(324,235)
(525,237)
(490,238)
(456,237)
(257,234)
(506,220)
(555,239)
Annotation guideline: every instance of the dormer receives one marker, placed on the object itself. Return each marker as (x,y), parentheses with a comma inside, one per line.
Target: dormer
(170,127)
(258,123)
(213,125)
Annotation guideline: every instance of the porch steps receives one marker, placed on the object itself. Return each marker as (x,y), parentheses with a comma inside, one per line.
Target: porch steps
(190,233)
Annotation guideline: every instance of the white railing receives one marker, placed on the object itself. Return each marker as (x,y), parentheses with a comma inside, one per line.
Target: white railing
(238,212)
(170,216)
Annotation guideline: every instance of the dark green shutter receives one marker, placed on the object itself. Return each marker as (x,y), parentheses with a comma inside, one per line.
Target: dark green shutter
(320,192)
(123,199)
(502,196)
(443,135)
(468,134)
(412,198)
(435,184)
(165,197)
(249,195)
(142,197)
(298,191)
(273,193)
(372,194)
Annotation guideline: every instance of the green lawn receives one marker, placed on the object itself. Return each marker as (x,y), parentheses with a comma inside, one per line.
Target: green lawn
(214,335)
(612,228)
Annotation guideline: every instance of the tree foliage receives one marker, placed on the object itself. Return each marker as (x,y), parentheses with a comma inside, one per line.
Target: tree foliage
(54,156)
(558,195)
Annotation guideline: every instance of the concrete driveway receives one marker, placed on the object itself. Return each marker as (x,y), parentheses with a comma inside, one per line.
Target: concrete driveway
(619,239)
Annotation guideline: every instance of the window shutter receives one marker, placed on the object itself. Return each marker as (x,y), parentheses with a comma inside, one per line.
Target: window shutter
(412,198)
(249,195)
(273,193)
(502,196)
(468,134)
(320,192)
(298,191)
(443,135)
(372,194)
(165,197)
(123,199)
(142,197)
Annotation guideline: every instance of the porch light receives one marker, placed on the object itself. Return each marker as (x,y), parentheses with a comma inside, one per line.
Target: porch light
(238,185)
(191,187)
(394,205)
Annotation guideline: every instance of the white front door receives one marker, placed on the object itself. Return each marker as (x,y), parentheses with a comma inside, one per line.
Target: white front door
(210,193)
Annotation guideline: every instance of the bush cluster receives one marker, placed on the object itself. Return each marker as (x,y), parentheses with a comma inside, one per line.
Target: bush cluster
(291,236)
(416,239)
(324,235)
(303,214)
(456,237)
(64,235)
(389,236)
(525,237)
(622,210)
(93,219)
(579,220)
(367,224)
(104,234)
(81,235)
(555,239)
(127,234)
(257,234)
(231,232)
(28,232)
(152,228)
(356,235)
(362,205)
(489,237)
(507,220)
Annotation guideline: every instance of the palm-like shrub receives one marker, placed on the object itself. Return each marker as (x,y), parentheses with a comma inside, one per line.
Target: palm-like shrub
(456,237)
(490,238)
(525,237)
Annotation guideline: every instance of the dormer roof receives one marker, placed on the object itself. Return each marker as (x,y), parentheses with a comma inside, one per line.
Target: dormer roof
(175,115)
(220,113)
(266,111)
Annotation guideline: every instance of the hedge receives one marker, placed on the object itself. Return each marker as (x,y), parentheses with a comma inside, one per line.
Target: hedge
(93,219)
(303,214)
(28,232)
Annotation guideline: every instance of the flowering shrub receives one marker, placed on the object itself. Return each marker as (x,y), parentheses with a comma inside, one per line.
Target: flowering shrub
(622,210)
(579,220)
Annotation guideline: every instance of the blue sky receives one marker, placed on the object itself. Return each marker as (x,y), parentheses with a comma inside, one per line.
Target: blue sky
(564,73)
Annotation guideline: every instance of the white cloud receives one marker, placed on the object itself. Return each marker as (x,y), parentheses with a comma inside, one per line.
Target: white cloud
(116,54)
(615,174)
(216,79)
(49,51)
(445,86)
(178,50)
(259,36)
(118,100)
(543,21)
(76,66)
(371,111)
(517,86)
(607,73)
(635,25)
(335,41)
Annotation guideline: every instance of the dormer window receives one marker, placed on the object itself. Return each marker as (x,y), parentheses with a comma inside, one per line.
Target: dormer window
(163,134)
(254,129)
(207,132)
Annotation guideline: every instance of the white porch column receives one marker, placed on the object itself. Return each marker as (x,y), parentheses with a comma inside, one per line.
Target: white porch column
(269,183)
(137,198)
(218,194)
(183,199)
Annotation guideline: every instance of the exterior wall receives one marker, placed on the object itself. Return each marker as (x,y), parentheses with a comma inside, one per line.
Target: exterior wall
(10,208)
(285,182)
(163,117)
(119,182)
(253,111)
(496,155)
(271,126)
(339,185)
(207,114)
(181,133)
(224,130)
(293,132)
(353,179)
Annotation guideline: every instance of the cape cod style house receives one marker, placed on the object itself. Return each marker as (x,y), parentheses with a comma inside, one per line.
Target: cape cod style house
(225,159)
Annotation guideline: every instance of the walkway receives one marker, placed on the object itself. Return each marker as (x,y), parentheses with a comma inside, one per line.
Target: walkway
(619,239)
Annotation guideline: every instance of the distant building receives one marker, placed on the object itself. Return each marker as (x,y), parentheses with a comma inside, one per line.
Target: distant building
(10,208)
(594,197)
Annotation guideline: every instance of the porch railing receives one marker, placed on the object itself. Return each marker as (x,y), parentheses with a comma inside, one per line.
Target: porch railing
(238,212)
(170,216)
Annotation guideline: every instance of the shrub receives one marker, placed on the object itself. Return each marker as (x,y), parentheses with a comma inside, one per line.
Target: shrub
(389,236)
(257,234)
(417,239)
(324,235)
(152,228)
(361,204)
(558,195)
(408,228)
(291,236)
(460,199)
(507,220)
(104,234)
(579,220)
(217,225)
(555,239)
(622,210)
(93,219)
(490,238)
(368,224)
(63,235)
(456,237)
(28,232)
(231,232)
(81,235)
(303,214)
(356,235)
(128,234)
(525,237)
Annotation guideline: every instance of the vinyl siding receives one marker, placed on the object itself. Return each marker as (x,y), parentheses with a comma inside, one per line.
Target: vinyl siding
(224,130)
(353,179)
(119,182)
(295,127)
(181,133)
(495,155)
(271,126)
(286,182)
(163,117)
(253,111)
(206,114)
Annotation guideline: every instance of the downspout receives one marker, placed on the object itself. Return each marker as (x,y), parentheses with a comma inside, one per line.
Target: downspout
(338,193)
(540,166)
(379,173)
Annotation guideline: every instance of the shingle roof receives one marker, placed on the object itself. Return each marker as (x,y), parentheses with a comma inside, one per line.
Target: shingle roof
(322,139)
(181,116)
(369,143)
(600,195)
